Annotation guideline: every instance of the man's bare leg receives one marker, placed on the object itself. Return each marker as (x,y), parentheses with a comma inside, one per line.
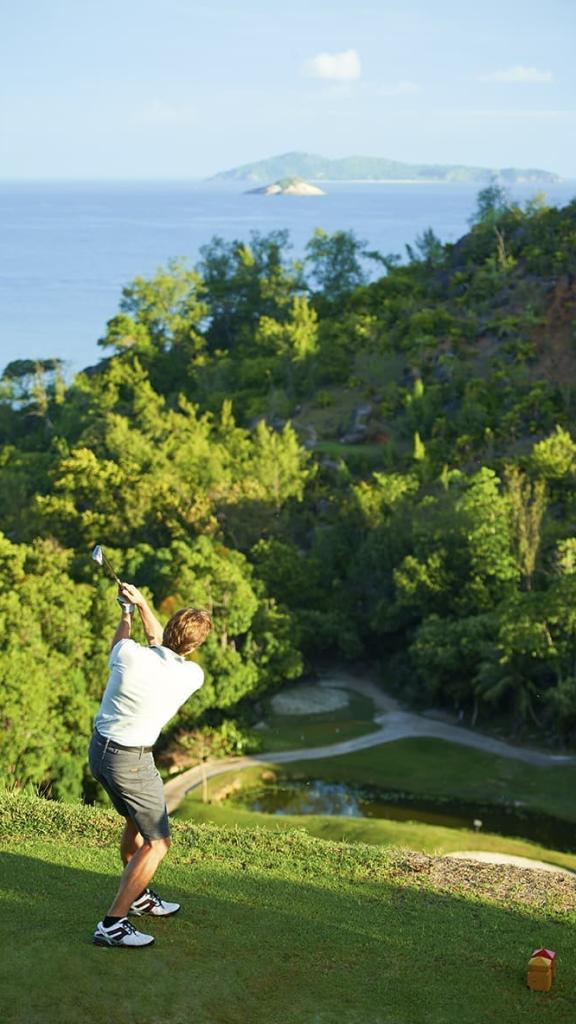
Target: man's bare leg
(137,873)
(131,841)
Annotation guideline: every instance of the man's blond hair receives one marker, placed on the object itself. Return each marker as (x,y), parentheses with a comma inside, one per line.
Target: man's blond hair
(186,630)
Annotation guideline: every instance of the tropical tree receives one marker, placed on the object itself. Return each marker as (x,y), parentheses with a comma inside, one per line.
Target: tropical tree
(244,281)
(45,644)
(527,507)
(335,262)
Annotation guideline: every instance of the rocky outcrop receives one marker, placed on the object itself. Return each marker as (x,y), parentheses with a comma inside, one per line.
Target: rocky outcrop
(358,429)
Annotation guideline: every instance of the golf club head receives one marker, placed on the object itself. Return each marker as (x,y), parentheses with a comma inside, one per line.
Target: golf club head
(98,555)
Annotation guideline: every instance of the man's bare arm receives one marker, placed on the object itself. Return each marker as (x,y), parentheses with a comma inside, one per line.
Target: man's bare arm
(153,631)
(123,629)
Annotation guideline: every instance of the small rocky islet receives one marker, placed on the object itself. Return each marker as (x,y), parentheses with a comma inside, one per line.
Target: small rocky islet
(287,187)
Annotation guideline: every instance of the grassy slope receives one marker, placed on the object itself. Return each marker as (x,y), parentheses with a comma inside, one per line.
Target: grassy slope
(412,835)
(275,929)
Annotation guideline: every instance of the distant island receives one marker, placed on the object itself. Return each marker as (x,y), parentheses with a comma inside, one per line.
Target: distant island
(294,186)
(311,167)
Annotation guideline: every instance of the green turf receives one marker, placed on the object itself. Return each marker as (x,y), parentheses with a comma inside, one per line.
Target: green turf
(290,732)
(275,929)
(413,835)
(337,448)
(418,766)
(422,766)
(438,768)
(355,455)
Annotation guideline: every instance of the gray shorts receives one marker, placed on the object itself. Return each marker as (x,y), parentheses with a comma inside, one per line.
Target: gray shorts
(133,784)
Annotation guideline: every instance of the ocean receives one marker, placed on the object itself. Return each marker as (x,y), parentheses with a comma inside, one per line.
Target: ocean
(68,248)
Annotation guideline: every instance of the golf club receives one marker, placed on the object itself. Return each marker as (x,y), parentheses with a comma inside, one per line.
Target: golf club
(100,558)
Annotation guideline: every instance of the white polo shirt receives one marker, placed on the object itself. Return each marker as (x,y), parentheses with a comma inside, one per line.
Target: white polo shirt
(146,687)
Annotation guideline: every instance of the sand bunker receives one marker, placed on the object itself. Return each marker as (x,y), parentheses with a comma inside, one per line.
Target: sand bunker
(309,700)
(491,857)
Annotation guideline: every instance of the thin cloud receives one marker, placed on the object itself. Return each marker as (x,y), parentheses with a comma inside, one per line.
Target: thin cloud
(518,74)
(336,67)
(399,89)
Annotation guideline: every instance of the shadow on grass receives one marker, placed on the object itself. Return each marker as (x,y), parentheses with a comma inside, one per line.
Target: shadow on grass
(251,947)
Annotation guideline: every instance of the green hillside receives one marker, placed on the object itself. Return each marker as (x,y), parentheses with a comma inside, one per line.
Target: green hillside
(275,929)
(369,168)
(355,455)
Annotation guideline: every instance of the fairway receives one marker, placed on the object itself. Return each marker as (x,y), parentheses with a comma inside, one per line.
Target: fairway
(436,767)
(275,929)
(289,732)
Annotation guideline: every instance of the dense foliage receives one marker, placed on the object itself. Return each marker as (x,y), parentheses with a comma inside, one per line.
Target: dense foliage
(336,466)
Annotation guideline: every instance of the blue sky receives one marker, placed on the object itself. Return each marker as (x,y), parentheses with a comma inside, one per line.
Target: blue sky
(138,89)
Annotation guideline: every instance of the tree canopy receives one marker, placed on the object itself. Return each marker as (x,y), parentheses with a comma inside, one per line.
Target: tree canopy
(336,465)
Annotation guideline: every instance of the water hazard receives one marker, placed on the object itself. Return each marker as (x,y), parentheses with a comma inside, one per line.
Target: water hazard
(315,796)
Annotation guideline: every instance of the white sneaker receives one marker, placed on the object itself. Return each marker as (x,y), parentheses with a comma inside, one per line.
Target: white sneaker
(122,933)
(151,904)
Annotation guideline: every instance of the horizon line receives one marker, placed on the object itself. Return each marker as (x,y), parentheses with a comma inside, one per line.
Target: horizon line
(161,179)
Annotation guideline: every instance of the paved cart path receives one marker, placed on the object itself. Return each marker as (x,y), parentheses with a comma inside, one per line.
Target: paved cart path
(395,724)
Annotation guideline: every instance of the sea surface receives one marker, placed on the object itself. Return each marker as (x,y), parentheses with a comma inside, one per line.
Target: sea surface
(67,249)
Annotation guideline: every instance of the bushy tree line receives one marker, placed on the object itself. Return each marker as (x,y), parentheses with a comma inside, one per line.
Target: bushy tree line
(450,560)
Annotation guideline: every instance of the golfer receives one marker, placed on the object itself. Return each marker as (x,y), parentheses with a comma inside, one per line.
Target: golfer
(146,687)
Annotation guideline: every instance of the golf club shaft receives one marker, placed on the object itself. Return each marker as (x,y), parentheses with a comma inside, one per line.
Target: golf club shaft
(110,569)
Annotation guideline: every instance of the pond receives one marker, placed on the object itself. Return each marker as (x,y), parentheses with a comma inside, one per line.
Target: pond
(315,796)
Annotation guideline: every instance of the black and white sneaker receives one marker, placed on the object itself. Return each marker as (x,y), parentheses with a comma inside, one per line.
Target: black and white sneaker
(122,933)
(150,904)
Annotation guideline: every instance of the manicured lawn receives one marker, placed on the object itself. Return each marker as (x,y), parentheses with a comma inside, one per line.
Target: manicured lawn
(289,732)
(430,766)
(419,766)
(275,929)
(337,448)
(356,455)
(413,835)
